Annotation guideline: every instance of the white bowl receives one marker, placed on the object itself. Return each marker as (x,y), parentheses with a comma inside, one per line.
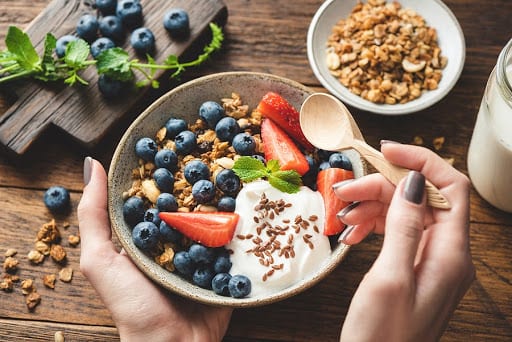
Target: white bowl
(436,14)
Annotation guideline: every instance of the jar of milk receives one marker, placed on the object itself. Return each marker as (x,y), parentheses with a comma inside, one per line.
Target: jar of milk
(490,150)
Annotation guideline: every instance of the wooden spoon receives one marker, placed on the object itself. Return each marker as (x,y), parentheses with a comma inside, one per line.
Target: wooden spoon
(328,125)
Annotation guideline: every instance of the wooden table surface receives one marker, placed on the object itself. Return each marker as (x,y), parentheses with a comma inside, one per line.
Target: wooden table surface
(265,36)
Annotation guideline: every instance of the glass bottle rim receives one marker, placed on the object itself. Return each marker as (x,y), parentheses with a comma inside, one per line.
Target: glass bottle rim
(504,61)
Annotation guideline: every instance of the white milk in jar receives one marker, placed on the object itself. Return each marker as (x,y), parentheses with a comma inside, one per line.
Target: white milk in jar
(490,150)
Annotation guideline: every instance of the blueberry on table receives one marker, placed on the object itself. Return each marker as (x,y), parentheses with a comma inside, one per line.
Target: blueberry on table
(340,160)
(177,23)
(130,13)
(211,112)
(244,144)
(133,210)
(166,158)
(226,129)
(239,286)
(145,235)
(143,41)
(226,203)
(203,191)
(151,215)
(184,263)
(174,126)
(203,276)
(195,170)
(101,44)
(185,142)
(106,7)
(111,88)
(227,181)
(62,43)
(164,179)
(146,149)
(87,27)
(169,234)
(57,199)
(112,27)
(166,202)
(201,254)
(220,284)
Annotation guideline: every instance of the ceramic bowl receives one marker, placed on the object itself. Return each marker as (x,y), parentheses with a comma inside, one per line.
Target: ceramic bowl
(436,14)
(184,101)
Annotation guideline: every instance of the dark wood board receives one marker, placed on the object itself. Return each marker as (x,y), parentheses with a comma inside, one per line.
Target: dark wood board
(81,111)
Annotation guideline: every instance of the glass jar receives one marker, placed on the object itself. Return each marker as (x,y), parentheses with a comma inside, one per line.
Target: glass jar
(490,150)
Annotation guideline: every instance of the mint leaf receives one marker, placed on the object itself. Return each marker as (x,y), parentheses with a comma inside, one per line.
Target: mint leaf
(77,52)
(115,63)
(273,165)
(249,168)
(50,42)
(19,44)
(288,181)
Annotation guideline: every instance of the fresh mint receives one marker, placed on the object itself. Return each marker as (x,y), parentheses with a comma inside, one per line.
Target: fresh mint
(250,169)
(20,60)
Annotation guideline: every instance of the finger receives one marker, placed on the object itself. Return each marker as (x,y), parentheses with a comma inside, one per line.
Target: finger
(372,187)
(358,212)
(353,235)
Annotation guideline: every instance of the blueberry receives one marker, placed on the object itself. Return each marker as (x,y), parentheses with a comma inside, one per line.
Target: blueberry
(112,27)
(169,234)
(166,202)
(185,142)
(312,166)
(220,284)
(226,129)
(227,181)
(195,170)
(324,154)
(166,158)
(324,165)
(226,203)
(203,191)
(111,88)
(145,235)
(201,254)
(130,12)
(239,286)
(87,27)
(62,43)
(146,149)
(177,23)
(203,276)
(340,160)
(184,263)
(100,45)
(143,41)
(222,264)
(174,126)
(164,179)
(57,199)
(151,215)
(106,7)
(260,158)
(133,210)
(244,144)
(211,112)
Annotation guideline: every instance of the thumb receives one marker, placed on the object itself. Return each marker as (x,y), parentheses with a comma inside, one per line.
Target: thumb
(404,223)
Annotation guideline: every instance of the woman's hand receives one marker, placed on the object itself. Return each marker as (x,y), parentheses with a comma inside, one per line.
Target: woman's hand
(140,309)
(425,266)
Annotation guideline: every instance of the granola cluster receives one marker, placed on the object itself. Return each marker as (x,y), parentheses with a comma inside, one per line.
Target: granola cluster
(385,53)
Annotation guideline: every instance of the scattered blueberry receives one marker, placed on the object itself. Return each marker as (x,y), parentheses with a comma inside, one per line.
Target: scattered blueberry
(151,215)
(195,170)
(62,43)
(57,199)
(226,203)
(164,179)
(133,210)
(220,284)
(177,23)
(145,235)
(106,7)
(101,44)
(87,27)
(174,126)
(166,158)
(201,254)
(166,202)
(227,181)
(203,276)
(324,165)
(185,142)
(340,160)
(244,144)
(203,191)
(211,112)
(260,158)
(222,264)
(184,263)
(112,27)
(146,148)
(169,234)
(111,88)
(239,286)
(227,128)
(130,13)
(143,41)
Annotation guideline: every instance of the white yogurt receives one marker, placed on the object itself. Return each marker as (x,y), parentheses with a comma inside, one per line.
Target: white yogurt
(276,249)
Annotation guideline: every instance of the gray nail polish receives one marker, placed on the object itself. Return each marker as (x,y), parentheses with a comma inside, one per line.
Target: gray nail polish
(414,187)
(345,210)
(342,183)
(382,142)
(87,170)
(343,236)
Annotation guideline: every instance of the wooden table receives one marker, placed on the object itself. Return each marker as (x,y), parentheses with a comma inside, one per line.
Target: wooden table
(265,36)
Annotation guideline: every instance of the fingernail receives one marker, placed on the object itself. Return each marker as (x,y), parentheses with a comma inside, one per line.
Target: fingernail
(345,210)
(87,170)
(342,183)
(382,142)
(414,187)
(344,235)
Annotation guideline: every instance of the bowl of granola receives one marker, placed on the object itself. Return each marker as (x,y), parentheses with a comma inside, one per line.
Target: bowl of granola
(386,57)
(216,195)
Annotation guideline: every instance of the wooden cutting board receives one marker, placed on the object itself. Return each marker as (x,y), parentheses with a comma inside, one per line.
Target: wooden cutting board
(81,111)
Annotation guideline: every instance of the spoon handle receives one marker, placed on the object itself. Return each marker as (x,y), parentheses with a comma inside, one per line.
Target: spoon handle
(395,173)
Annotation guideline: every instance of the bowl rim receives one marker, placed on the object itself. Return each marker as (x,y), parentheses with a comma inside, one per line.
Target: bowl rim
(416,105)
(338,253)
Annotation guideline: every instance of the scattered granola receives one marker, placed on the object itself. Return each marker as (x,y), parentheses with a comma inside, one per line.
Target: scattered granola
(10,264)
(66,274)
(49,280)
(59,336)
(10,252)
(58,253)
(35,257)
(73,240)
(27,286)
(33,299)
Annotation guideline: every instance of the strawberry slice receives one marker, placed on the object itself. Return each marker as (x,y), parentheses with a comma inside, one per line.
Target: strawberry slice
(210,229)
(324,181)
(279,146)
(275,107)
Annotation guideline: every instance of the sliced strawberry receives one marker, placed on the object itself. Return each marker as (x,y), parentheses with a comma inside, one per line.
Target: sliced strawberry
(275,107)
(324,182)
(209,229)
(279,146)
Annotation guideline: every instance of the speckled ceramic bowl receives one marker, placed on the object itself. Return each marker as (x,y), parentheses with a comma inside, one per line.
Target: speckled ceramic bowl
(184,101)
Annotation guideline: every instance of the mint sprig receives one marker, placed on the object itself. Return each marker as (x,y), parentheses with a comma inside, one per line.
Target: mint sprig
(250,169)
(20,60)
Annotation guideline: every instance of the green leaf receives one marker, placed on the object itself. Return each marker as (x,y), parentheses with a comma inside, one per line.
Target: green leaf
(273,165)
(171,60)
(19,44)
(77,52)
(50,43)
(287,181)
(249,169)
(115,63)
